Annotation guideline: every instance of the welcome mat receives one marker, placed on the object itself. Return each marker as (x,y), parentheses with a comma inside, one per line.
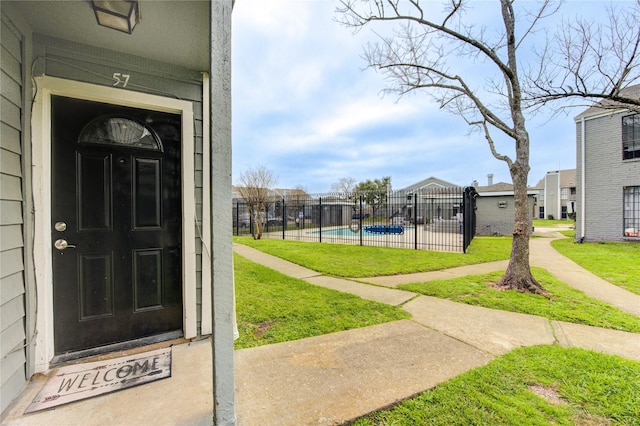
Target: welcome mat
(81,381)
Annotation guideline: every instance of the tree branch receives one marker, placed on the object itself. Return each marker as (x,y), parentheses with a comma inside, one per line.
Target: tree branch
(589,62)
(492,146)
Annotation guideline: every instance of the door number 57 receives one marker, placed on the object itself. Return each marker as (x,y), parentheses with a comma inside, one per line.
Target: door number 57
(121,79)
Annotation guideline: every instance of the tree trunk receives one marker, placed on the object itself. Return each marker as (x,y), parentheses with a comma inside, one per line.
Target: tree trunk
(256,221)
(518,274)
(259,225)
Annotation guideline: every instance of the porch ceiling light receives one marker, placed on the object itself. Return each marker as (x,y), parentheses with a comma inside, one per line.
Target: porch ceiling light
(121,15)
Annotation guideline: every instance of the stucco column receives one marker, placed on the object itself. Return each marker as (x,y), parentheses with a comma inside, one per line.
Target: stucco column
(221,224)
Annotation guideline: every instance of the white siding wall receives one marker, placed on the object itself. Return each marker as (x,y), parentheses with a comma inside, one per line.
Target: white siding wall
(552,195)
(12,271)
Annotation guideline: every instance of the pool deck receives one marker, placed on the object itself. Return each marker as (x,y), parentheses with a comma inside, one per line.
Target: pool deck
(414,237)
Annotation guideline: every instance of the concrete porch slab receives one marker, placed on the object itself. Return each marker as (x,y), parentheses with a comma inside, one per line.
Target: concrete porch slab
(330,379)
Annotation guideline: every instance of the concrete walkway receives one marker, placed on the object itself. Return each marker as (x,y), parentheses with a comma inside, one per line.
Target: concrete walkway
(330,379)
(352,373)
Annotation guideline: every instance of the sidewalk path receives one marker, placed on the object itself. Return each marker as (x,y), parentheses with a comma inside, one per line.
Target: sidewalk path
(331,379)
(334,378)
(545,256)
(542,254)
(446,274)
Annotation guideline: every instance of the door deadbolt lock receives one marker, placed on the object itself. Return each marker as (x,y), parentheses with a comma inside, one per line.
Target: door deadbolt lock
(62,244)
(60,226)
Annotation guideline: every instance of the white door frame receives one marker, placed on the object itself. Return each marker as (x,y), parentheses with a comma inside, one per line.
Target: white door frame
(41,171)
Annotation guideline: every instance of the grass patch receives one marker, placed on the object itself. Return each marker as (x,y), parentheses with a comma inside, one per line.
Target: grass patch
(272,307)
(617,263)
(570,233)
(564,303)
(360,262)
(530,386)
(552,223)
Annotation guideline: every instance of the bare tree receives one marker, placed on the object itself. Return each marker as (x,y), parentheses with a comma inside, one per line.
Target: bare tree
(345,187)
(300,188)
(422,54)
(586,62)
(255,187)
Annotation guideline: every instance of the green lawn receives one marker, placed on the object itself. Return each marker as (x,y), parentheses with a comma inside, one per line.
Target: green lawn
(569,234)
(359,262)
(563,303)
(580,388)
(617,263)
(272,307)
(588,388)
(553,223)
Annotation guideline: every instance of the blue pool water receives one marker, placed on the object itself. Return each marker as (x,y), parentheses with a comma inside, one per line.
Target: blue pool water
(346,232)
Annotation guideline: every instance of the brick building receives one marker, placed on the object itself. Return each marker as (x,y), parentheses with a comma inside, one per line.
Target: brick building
(608,173)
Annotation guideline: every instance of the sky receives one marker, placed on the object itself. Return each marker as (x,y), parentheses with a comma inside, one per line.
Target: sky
(307,109)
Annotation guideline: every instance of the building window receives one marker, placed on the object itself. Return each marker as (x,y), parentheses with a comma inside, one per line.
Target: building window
(631,211)
(564,193)
(119,131)
(541,214)
(631,137)
(563,213)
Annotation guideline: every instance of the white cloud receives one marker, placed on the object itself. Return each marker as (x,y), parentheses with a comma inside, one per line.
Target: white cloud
(361,113)
(304,107)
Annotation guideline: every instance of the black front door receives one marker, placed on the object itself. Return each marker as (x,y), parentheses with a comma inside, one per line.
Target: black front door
(116,224)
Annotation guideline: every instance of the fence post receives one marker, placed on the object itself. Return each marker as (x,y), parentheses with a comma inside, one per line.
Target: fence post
(469,218)
(415,221)
(320,216)
(361,218)
(472,231)
(251,222)
(284,217)
(465,219)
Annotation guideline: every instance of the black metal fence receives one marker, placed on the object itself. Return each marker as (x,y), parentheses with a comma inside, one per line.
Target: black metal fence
(435,219)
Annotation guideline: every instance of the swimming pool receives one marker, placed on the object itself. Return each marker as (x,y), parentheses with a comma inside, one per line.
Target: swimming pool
(346,232)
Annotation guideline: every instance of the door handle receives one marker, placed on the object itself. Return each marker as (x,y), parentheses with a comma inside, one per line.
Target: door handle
(62,244)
